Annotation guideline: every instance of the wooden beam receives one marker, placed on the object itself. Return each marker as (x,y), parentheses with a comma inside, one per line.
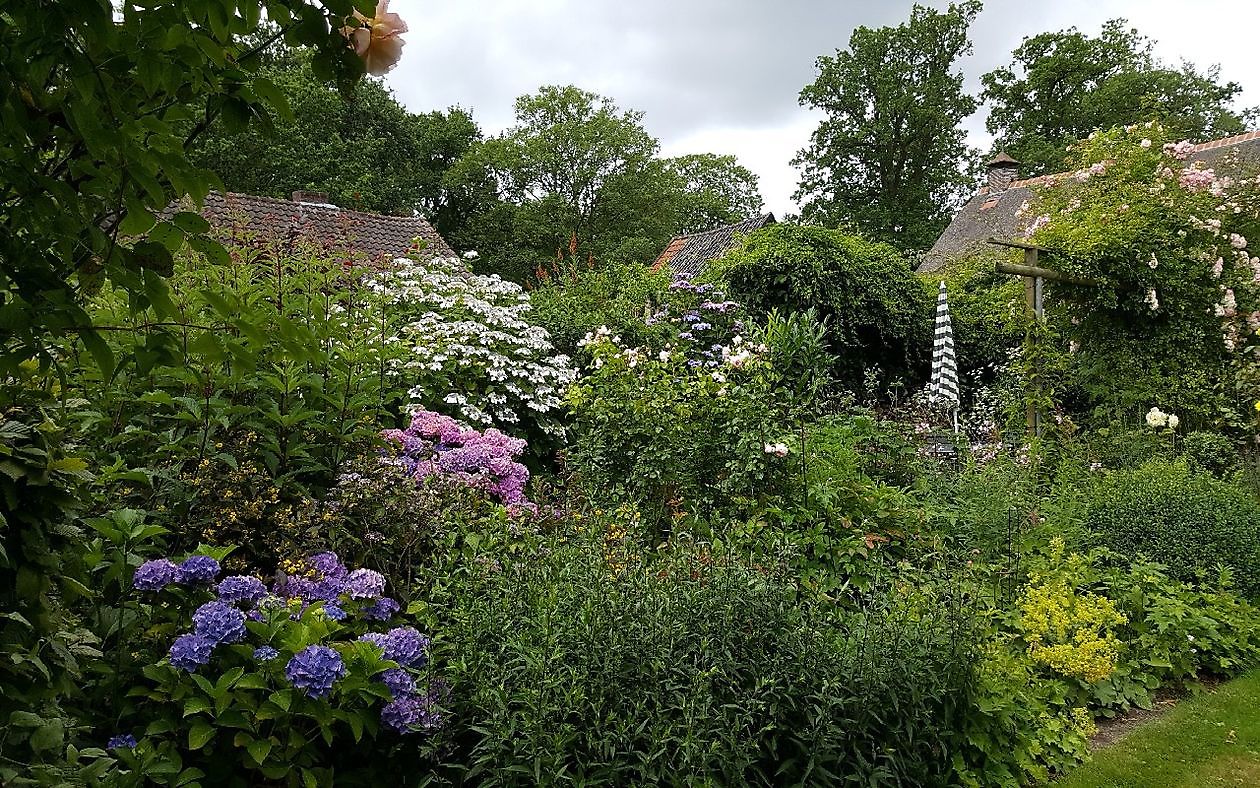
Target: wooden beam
(1045,273)
(1017,244)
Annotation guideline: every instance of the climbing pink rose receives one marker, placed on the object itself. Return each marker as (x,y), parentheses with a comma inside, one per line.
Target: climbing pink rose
(378,40)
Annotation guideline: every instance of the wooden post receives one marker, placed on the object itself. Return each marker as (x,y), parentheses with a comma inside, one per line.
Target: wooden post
(1035,278)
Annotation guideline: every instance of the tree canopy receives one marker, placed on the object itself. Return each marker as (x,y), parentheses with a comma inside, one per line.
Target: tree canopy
(576,168)
(1060,87)
(890,159)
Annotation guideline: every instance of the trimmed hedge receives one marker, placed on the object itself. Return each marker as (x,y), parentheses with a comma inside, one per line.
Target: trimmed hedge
(1185,519)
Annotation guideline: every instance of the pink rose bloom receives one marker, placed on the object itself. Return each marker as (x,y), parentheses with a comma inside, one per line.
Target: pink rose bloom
(378,40)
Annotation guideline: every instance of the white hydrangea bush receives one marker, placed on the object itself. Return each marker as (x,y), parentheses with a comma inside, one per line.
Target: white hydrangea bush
(461,343)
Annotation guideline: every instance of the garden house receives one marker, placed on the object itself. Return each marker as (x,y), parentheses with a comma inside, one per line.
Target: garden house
(310,216)
(688,255)
(994,212)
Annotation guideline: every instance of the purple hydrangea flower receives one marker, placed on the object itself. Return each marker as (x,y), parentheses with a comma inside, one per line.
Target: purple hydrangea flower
(198,569)
(155,575)
(377,638)
(124,741)
(365,584)
(314,670)
(265,653)
(399,681)
(403,645)
(219,622)
(328,565)
(190,652)
(381,610)
(241,588)
(411,713)
(334,612)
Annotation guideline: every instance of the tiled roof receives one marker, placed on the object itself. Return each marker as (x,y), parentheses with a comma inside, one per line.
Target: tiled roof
(374,235)
(994,214)
(689,254)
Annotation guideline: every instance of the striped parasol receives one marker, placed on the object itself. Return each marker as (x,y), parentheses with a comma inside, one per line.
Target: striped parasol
(943,390)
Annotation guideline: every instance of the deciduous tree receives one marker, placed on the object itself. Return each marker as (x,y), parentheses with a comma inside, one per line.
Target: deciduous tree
(890,159)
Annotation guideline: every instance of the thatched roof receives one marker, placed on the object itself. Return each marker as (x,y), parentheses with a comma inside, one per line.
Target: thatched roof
(993,213)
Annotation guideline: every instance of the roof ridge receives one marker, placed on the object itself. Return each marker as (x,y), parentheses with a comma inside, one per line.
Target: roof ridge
(329,207)
(1223,142)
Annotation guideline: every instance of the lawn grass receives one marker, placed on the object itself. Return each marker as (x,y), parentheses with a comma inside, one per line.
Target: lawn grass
(1204,742)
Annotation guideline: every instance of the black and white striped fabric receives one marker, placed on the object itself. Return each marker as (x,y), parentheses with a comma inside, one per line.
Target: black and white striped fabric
(943,389)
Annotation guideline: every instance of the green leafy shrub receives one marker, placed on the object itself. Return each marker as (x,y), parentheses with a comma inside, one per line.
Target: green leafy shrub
(572,301)
(575,669)
(275,382)
(1184,519)
(877,312)
(312,680)
(1212,452)
(679,435)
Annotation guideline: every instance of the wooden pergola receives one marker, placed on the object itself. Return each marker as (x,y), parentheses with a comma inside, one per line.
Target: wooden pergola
(1035,277)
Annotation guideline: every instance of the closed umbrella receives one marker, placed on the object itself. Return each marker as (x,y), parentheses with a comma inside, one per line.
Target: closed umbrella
(943,389)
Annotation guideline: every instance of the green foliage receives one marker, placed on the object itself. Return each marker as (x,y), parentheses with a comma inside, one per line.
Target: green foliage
(877,313)
(1182,518)
(1172,320)
(577,168)
(674,436)
(1212,452)
(1062,86)
(715,190)
(575,671)
(573,300)
(800,364)
(890,159)
(272,384)
(986,310)
(360,146)
(99,105)
(241,718)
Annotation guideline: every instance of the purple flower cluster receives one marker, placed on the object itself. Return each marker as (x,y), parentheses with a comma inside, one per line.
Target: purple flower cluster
(403,645)
(219,622)
(155,575)
(412,713)
(265,653)
(198,569)
(241,588)
(314,670)
(190,652)
(437,445)
(123,741)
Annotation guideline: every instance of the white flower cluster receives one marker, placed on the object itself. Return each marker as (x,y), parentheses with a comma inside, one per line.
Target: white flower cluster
(1156,418)
(463,339)
(777,449)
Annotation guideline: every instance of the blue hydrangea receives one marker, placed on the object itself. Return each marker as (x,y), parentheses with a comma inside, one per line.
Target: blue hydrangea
(328,565)
(198,569)
(399,681)
(265,653)
(403,645)
(314,670)
(382,609)
(155,575)
(219,622)
(241,588)
(410,713)
(365,584)
(190,652)
(124,741)
(334,612)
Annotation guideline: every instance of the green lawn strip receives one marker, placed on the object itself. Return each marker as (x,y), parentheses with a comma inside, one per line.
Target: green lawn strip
(1210,740)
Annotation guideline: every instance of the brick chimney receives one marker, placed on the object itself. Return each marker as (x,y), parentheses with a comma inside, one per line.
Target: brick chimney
(1003,170)
(311,198)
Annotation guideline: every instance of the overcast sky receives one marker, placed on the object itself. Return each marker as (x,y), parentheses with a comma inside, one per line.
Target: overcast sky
(722,76)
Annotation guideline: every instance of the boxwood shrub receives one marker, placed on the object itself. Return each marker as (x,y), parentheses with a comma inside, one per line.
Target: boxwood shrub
(1183,518)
